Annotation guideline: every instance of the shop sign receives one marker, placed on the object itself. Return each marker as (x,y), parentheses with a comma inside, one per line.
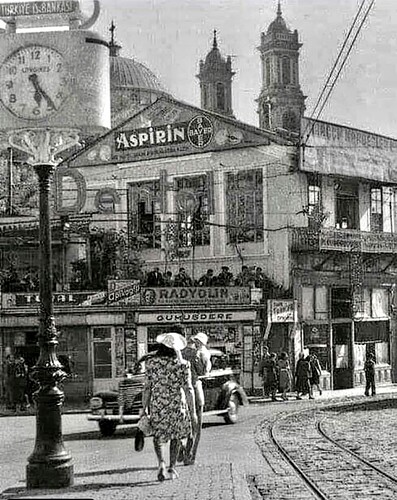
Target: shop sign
(195,295)
(196,317)
(282,311)
(124,292)
(11,300)
(198,132)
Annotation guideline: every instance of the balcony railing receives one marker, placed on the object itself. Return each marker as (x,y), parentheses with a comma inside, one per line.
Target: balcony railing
(342,240)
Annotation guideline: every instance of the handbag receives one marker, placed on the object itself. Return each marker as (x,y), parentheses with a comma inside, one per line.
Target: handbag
(139,440)
(143,430)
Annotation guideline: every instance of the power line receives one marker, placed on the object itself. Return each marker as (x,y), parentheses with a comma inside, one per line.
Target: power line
(322,101)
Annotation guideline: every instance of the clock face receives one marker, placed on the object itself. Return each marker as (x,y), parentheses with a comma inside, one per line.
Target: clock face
(34,82)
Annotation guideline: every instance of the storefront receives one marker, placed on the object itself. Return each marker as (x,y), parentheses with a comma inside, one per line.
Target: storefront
(102,334)
(342,343)
(225,314)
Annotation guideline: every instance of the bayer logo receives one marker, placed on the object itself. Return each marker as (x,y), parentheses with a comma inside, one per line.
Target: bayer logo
(200,131)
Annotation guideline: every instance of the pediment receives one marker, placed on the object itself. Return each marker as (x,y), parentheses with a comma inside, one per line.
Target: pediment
(169,128)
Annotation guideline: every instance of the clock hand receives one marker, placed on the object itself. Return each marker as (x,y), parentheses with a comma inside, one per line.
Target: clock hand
(40,93)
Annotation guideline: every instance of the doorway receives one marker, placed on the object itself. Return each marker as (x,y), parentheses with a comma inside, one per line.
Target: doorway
(342,356)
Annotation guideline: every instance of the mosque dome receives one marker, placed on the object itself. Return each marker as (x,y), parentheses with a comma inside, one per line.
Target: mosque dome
(133,86)
(129,73)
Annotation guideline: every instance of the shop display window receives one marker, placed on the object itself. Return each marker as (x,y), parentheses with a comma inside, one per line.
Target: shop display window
(102,352)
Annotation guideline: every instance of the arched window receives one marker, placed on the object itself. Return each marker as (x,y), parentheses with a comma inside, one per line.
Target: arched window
(205,95)
(286,70)
(220,96)
(267,71)
(266,116)
(290,121)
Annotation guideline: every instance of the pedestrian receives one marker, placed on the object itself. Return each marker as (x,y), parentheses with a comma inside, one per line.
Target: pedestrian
(272,375)
(155,278)
(200,362)
(285,377)
(168,388)
(263,371)
(182,279)
(316,369)
(20,384)
(168,279)
(369,369)
(9,370)
(303,375)
(224,278)
(207,279)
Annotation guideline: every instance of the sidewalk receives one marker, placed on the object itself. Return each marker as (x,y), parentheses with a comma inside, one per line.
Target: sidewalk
(338,394)
(220,482)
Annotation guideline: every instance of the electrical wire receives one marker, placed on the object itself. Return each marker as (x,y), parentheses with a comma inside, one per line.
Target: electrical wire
(336,77)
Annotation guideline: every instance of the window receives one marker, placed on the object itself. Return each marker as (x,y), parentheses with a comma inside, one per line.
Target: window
(376,210)
(340,303)
(266,115)
(286,70)
(268,72)
(314,302)
(192,205)
(245,206)
(346,199)
(144,213)
(220,96)
(290,121)
(205,96)
(102,352)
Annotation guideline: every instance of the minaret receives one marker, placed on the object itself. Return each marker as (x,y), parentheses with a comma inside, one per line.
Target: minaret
(215,77)
(281,103)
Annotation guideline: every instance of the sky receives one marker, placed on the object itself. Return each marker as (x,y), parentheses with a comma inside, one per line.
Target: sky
(171,36)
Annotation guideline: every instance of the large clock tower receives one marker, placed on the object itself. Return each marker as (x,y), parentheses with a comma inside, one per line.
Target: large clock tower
(281,103)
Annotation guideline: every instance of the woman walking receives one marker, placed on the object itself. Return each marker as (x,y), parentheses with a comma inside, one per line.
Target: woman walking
(315,367)
(272,375)
(285,377)
(168,398)
(303,375)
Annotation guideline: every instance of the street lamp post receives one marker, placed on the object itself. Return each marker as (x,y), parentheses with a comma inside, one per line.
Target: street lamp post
(50,465)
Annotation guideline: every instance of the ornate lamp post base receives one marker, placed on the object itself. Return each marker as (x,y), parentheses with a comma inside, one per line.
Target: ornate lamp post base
(50,465)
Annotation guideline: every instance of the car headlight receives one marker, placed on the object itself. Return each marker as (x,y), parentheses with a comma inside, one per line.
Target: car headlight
(96,403)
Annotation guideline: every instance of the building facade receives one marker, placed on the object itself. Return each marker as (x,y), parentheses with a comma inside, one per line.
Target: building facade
(185,219)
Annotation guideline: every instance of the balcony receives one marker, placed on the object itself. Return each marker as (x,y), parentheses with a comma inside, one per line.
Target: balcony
(342,240)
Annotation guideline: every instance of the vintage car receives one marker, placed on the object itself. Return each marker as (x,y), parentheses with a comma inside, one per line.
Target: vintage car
(223,397)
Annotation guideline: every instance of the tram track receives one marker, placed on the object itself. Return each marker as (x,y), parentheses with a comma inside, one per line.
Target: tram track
(328,469)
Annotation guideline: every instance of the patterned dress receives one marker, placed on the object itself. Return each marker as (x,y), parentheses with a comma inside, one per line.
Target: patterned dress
(169,413)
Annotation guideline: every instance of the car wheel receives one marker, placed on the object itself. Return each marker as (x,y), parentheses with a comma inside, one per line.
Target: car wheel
(232,410)
(107,428)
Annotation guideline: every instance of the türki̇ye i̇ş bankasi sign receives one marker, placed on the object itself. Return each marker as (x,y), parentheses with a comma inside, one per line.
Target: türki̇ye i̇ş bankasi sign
(198,132)
(38,8)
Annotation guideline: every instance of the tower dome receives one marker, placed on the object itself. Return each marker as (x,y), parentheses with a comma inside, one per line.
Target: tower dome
(133,86)
(281,103)
(215,77)
(278,25)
